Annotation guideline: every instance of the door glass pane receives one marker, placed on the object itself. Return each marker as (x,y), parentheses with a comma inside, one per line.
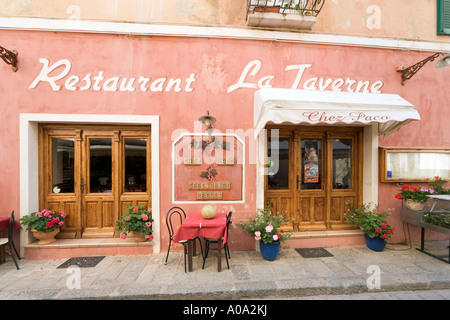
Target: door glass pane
(100,164)
(63,165)
(278,173)
(135,165)
(342,166)
(311,164)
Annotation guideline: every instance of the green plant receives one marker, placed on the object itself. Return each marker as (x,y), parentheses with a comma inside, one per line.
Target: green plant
(43,221)
(413,193)
(441,219)
(436,184)
(267,227)
(371,220)
(136,219)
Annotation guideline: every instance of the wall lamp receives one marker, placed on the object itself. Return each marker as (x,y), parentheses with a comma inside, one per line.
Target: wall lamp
(408,73)
(10,57)
(208,121)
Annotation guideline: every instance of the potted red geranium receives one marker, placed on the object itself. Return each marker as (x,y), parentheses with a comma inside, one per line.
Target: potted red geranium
(414,197)
(44,224)
(136,221)
(373,222)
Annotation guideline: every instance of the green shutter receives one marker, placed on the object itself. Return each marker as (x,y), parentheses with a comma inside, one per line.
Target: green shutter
(443,17)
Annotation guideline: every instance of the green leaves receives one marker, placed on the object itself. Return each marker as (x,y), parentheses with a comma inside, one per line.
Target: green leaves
(135,219)
(267,227)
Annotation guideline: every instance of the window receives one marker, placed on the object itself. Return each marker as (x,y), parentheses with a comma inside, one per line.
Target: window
(413,165)
(443,17)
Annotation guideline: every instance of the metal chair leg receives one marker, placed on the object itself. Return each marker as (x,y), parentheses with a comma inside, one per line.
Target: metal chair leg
(12,255)
(168,250)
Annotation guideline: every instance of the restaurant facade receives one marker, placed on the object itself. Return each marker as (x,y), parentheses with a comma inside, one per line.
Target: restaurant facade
(97,121)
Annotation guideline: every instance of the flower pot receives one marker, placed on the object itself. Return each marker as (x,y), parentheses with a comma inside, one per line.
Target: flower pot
(267,9)
(375,244)
(45,237)
(138,237)
(269,251)
(414,205)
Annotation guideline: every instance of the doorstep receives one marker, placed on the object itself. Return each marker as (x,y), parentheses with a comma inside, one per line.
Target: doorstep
(331,238)
(69,248)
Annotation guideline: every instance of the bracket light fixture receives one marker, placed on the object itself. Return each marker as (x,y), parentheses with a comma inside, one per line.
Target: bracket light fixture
(10,57)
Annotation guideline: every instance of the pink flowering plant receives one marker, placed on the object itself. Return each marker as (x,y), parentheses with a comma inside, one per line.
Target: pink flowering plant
(267,227)
(371,220)
(136,219)
(44,221)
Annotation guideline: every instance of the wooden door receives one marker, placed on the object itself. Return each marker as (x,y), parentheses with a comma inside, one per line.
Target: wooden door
(319,171)
(92,173)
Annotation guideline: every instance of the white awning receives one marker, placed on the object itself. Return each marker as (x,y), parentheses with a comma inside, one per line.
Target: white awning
(277,106)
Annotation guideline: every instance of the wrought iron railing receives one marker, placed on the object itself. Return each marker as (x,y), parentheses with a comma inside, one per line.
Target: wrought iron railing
(302,7)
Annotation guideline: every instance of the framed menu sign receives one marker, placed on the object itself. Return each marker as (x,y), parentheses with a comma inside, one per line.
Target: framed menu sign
(208,168)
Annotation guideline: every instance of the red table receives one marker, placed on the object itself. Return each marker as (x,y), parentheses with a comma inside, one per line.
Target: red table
(195,225)
(4,223)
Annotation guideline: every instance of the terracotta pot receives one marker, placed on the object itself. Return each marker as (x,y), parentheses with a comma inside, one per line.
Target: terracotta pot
(414,205)
(267,9)
(45,237)
(138,237)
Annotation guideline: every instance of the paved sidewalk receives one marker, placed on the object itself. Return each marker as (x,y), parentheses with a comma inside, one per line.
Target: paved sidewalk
(249,276)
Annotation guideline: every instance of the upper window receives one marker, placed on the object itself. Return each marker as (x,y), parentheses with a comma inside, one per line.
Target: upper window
(443,17)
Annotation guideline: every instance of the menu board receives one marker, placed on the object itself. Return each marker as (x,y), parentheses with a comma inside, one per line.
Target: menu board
(208,168)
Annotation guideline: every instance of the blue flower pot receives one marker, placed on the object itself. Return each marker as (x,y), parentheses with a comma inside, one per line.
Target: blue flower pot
(375,244)
(269,251)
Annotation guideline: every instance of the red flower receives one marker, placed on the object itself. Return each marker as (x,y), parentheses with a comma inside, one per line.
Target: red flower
(135,209)
(398,196)
(384,236)
(378,230)
(393,229)
(378,211)
(405,187)
(414,188)
(383,226)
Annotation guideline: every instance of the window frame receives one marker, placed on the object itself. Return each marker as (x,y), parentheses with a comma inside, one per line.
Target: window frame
(442,6)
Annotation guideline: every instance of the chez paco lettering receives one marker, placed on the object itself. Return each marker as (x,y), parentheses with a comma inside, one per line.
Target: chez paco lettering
(353,116)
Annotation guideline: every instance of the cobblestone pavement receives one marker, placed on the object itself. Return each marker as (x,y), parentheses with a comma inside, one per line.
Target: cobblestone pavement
(398,272)
(393,295)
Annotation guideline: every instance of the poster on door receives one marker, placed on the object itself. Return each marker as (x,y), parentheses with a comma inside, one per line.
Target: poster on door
(311,164)
(311,171)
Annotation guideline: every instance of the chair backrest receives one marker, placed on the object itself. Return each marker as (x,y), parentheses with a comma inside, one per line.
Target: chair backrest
(11,226)
(173,213)
(228,222)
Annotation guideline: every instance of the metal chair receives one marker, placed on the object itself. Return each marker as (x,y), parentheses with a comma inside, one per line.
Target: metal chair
(218,242)
(173,213)
(9,241)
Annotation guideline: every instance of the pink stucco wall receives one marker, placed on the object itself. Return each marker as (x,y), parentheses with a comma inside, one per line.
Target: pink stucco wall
(217,65)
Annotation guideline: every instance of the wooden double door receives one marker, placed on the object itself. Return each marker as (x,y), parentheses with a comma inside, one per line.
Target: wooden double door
(93,173)
(315,171)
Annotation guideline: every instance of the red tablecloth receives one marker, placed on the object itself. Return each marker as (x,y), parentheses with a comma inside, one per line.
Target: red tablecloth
(195,225)
(4,223)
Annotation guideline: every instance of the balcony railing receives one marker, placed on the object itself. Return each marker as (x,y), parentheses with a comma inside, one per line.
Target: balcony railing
(300,7)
